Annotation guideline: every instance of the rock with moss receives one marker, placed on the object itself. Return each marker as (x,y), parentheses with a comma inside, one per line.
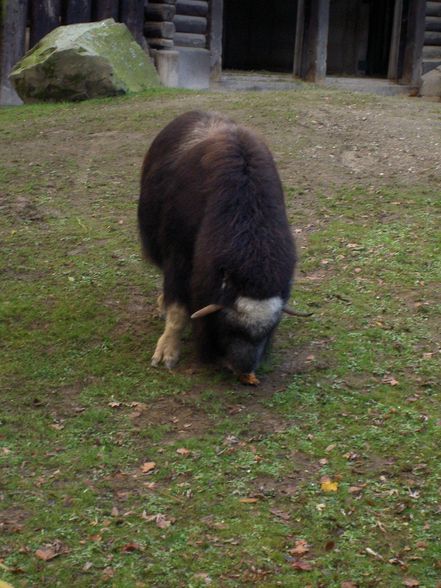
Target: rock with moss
(88,60)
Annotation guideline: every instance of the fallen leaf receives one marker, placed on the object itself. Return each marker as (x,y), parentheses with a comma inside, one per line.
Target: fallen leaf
(373,553)
(410,582)
(323,461)
(331,447)
(147,467)
(114,512)
(162,522)
(390,380)
(281,514)
(348,585)
(57,426)
(183,451)
(301,565)
(327,485)
(301,547)
(87,566)
(248,500)
(114,404)
(129,547)
(51,551)
(355,489)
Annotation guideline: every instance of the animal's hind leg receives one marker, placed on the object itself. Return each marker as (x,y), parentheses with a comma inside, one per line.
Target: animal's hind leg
(169,344)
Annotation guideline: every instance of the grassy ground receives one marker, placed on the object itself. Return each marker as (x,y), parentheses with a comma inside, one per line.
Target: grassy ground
(113,473)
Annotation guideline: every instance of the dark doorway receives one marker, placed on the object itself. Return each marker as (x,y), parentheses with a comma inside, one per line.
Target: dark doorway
(360,33)
(259,35)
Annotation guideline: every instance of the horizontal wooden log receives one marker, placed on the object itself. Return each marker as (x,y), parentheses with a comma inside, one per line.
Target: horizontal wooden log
(433,23)
(164,30)
(429,64)
(77,11)
(105,9)
(433,9)
(161,43)
(190,40)
(160,12)
(192,7)
(190,24)
(431,52)
(45,16)
(432,38)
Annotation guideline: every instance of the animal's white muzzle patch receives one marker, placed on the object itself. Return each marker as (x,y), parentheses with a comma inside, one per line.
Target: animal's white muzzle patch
(255,315)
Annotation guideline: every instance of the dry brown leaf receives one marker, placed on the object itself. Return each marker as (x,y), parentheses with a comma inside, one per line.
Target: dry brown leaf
(355,489)
(129,547)
(411,583)
(301,547)
(330,447)
(248,500)
(301,565)
(183,451)
(390,380)
(51,551)
(281,514)
(147,467)
(114,512)
(348,585)
(114,404)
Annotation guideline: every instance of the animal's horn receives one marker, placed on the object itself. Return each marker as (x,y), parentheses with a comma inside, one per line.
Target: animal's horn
(292,312)
(206,310)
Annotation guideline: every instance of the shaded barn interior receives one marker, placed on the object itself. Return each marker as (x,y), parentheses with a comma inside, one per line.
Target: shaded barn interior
(259,35)
(360,34)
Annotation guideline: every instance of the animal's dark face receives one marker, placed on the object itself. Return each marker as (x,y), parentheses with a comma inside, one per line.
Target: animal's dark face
(243,332)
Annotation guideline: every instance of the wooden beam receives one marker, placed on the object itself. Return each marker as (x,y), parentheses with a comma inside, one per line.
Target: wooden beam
(132,14)
(394,53)
(315,40)
(13,16)
(103,9)
(77,11)
(215,31)
(45,16)
(413,54)
(298,44)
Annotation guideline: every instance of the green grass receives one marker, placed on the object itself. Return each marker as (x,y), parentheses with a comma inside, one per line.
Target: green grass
(352,393)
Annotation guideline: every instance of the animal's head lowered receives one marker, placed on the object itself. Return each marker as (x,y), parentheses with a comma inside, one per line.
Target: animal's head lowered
(241,332)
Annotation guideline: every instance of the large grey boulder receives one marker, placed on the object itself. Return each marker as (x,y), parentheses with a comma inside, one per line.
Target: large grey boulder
(81,61)
(431,84)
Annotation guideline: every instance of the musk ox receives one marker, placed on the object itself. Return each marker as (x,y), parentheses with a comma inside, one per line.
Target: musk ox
(212,216)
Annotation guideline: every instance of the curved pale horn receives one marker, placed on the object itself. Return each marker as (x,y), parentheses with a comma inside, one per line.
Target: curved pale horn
(206,310)
(292,312)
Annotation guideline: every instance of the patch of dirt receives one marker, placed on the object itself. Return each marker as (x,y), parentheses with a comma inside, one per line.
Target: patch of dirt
(304,469)
(12,520)
(180,414)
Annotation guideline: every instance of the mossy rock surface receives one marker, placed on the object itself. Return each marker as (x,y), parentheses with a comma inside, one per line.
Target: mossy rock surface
(82,61)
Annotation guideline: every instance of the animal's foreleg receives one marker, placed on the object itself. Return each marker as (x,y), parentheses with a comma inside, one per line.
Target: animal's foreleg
(169,343)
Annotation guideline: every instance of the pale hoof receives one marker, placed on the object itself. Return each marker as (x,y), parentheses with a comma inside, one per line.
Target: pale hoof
(167,352)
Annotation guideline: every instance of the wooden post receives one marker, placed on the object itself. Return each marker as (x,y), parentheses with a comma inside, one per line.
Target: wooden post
(413,55)
(215,31)
(78,11)
(315,40)
(132,14)
(45,16)
(13,14)
(298,46)
(394,54)
(105,9)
